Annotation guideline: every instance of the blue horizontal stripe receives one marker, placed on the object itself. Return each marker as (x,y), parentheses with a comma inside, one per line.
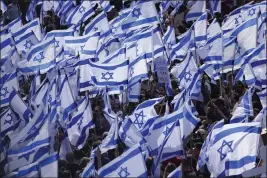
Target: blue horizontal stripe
(243,26)
(29,147)
(200,38)
(120,162)
(240,163)
(40,48)
(88,52)
(24,37)
(5,43)
(168,121)
(61,33)
(48,160)
(26,27)
(105,67)
(192,16)
(94,22)
(246,129)
(124,82)
(37,68)
(169,155)
(25,172)
(139,22)
(148,103)
(217,59)
(68,109)
(120,52)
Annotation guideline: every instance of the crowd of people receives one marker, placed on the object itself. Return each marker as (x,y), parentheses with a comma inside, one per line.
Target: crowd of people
(220,98)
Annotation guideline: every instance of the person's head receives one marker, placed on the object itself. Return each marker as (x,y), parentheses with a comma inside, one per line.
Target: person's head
(70,157)
(161,91)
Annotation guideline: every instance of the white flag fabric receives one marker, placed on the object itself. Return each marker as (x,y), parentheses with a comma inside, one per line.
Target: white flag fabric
(125,165)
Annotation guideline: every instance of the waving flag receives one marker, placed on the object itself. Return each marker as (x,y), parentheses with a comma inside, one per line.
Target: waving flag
(180,49)
(9,122)
(246,35)
(143,14)
(40,58)
(200,29)
(25,42)
(49,166)
(79,124)
(229,154)
(134,90)
(14,25)
(109,74)
(263,97)
(229,49)
(126,165)
(110,141)
(99,23)
(19,107)
(33,25)
(212,52)
(144,114)
(7,83)
(81,13)
(196,11)
(86,42)
(244,109)
(115,57)
(31,170)
(105,5)
(6,44)
(215,6)
(138,69)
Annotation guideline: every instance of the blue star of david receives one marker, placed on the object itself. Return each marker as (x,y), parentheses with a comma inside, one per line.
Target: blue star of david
(123,172)
(109,76)
(138,121)
(82,9)
(57,44)
(131,72)
(28,44)
(188,76)
(9,121)
(4,92)
(80,123)
(40,57)
(26,155)
(136,13)
(166,132)
(251,12)
(223,152)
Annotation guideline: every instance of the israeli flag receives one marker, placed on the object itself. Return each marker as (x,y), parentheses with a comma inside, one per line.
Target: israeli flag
(110,141)
(114,74)
(24,159)
(197,10)
(6,44)
(37,99)
(99,23)
(8,63)
(31,170)
(8,122)
(200,29)
(176,173)
(143,14)
(215,6)
(86,42)
(134,90)
(246,35)
(244,109)
(250,12)
(14,25)
(169,38)
(262,31)
(7,83)
(105,5)
(229,50)
(40,58)
(49,166)
(177,7)
(212,52)
(261,117)
(19,107)
(164,5)
(80,123)
(65,147)
(115,57)
(179,99)
(81,13)
(129,134)
(89,170)
(137,69)
(33,25)
(66,99)
(259,69)
(229,153)
(185,71)
(213,29)
(180,49)
(59,36)
(144,114)
(25,42)
(125,165)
